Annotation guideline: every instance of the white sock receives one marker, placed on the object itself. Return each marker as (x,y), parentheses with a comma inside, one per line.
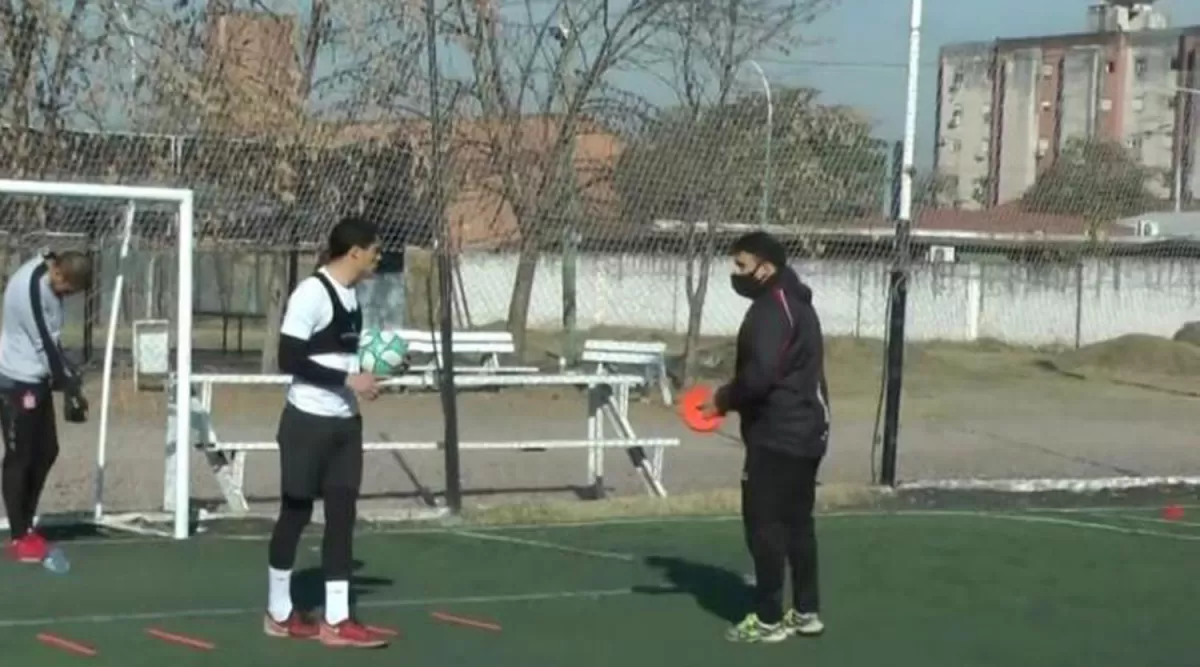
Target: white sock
(279,600)
(337,601)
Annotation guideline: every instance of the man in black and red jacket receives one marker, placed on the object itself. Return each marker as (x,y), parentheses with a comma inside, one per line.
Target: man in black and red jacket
(779,391)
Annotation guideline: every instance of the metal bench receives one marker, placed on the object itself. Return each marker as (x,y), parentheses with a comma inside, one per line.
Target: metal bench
(648,357)
(485,346)
(607,404)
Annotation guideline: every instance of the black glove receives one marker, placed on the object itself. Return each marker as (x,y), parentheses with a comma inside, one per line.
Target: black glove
(75,407)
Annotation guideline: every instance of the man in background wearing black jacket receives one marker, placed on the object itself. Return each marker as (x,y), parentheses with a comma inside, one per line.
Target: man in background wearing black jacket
(779,391)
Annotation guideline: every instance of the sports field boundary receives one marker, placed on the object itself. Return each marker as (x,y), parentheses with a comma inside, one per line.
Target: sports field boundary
(395,603)
(1072,517)
(966,495)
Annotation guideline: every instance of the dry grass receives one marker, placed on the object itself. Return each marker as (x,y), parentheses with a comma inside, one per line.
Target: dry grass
(722,502)
(1139,360)
(940,377)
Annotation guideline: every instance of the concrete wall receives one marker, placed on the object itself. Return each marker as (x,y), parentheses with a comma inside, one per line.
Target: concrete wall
(1033,305)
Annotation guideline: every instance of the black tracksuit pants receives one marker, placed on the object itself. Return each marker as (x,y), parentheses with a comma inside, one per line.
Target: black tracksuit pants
(30,449)
(778,492)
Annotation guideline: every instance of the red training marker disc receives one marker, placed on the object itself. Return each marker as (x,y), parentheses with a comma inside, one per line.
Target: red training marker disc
(689,410)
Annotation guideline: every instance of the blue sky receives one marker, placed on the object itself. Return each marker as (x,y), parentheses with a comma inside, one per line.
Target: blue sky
(864,47)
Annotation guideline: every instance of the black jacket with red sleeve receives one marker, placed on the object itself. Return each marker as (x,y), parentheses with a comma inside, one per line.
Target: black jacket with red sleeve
(778,388)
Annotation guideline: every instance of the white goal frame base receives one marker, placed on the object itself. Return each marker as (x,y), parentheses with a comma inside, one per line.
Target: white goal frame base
(608,400)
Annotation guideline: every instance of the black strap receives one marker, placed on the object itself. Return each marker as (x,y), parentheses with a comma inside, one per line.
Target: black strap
(333,295)
(53,353)
(354,316)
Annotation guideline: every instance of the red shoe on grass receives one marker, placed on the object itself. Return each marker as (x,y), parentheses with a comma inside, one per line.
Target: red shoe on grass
(295,626)
(350,634)
(31,548)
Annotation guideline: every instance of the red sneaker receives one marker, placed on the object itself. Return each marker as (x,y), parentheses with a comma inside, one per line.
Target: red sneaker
(28,549)
(296,626)
(350,634)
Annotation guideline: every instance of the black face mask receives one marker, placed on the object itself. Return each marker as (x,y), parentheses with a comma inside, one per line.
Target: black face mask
(746,285)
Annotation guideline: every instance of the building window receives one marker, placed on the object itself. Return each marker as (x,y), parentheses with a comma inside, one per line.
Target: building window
(956,81)
(1140,67)
(956,146)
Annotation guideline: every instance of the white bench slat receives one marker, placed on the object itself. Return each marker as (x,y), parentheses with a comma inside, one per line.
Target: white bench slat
(647,354)
(631,358)
(464,342)
(462,347)
(464,336)
(609,443)
(645,347)
(479,370)
(564,380)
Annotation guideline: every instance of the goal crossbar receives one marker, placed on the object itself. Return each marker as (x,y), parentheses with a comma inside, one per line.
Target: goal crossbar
(183,351)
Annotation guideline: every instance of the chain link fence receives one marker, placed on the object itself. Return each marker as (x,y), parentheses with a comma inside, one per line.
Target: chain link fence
(596,160)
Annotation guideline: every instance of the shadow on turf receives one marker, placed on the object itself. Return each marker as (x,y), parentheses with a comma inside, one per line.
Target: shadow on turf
(308,586)
(720,592)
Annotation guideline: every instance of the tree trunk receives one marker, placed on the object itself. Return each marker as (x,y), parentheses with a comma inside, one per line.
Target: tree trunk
(276,300)
(421,286)
(518,306)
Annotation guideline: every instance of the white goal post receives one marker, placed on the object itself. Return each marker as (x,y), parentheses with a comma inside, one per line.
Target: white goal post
(183,338)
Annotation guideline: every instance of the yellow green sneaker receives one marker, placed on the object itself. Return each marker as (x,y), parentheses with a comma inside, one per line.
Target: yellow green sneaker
(805,625)
(753,631)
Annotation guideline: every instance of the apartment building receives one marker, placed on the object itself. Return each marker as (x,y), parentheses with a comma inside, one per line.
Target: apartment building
(1005,109)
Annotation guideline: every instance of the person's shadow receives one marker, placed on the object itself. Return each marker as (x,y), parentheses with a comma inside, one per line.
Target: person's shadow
(308,586)
(717,590)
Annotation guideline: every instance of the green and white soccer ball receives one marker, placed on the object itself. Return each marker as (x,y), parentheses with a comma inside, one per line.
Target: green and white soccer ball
(382,352)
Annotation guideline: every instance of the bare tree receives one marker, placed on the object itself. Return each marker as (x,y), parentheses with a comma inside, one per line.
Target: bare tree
(710,46)
(342,74)
(54,58)
(535,84)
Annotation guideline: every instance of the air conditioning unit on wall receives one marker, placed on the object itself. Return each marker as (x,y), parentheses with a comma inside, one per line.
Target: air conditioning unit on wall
(941,254)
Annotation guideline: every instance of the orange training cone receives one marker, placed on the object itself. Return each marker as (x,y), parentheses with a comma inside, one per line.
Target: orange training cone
(689,410)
